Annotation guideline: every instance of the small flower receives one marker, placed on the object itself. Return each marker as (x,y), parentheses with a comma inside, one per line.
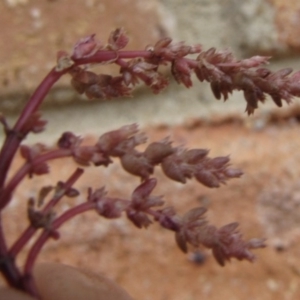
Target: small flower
(191,223)
(34,124)
(69,140)
(137,164)
(181,71)
(83,155)
(39,219)
(138,218)
(86,47)
(29,153)
(111,208)
(166,50)
(194,156)
(141,198)
(63,61)
(105,206)
(229,243)
(254,61)
(157,151)
(109,141)
(175,167)
(141,201)
(117,39)
(215,171)
(168,219)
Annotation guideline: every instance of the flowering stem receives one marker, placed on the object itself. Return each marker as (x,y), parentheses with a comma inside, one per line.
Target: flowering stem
(67,185)
(38,96)
(25,169)
(104,56)
(36,248)
(30,230)
(13,139)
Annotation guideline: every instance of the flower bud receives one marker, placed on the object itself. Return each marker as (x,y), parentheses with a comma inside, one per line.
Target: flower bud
(117,39)
(157,151)
(176,169)
(207,178)
(136,164)
(109,140)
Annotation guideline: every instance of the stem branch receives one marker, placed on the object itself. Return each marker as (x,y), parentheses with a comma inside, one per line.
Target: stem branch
(30,230)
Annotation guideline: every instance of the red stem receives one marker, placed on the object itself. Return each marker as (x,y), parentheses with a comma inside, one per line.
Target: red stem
(30,230)
(104,55)
(10,146)
(36,248)
(13,139)
(25,169)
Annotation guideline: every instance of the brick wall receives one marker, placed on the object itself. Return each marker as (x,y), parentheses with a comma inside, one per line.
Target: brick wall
(33,31)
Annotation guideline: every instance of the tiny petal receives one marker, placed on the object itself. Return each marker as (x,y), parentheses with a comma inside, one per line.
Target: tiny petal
(118,39)
(136,164)
(233,173)
(207,178)
(25,151)
(195,156)
(34,124)
(176,169)
(85,47)
(157,151)
(144,189)
(110,208)
(181,241)
(68,140)
(109,140)
(256,243)
(63,61)
(162,43)
(219,162)
(139,219)
(194,214)
(254,61)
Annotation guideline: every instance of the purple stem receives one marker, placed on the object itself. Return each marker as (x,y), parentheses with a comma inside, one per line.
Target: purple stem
(30,230)
(25,169)
(36,248)
(104,55)
(10,146)
(13,139)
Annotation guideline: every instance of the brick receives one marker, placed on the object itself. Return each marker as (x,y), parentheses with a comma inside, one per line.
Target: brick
(287,20)
(33,31)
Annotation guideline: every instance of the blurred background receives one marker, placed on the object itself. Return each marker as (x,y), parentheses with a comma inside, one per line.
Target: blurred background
(32,32)
(266,147)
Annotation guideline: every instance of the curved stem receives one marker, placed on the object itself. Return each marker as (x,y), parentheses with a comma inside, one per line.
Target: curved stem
(36,248)
(10,146)
(23,171)
(38,96)
(30,230)
(13,139)
(103,56)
